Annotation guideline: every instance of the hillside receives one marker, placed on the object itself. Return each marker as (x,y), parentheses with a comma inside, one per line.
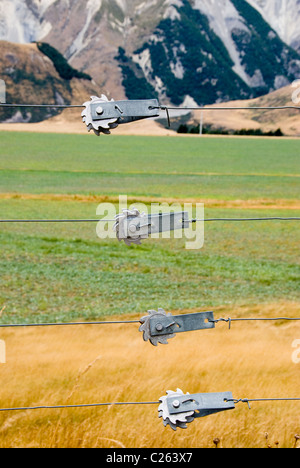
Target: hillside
(267,120)
(31,77)
(178,50)
(69,121)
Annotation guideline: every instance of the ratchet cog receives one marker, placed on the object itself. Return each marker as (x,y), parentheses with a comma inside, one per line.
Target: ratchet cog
(98,126)
(174,420)
(145,328)
(121,227)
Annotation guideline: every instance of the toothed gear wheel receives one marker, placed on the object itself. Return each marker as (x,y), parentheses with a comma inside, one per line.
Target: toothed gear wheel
(122,220)
(145,328)
(98,126)
(174,420)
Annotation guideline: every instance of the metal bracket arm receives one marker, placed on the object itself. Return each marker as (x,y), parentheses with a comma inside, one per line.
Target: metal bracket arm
(125,111)
(156,223)
(203,404)
(165,222)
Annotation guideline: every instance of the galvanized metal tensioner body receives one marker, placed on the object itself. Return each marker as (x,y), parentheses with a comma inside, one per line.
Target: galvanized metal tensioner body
(159,327)
(177,409)
(102,115)
(131,226)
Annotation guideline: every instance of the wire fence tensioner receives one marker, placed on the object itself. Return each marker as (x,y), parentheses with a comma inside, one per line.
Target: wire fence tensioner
(177,409)
(102,115)
(159,327)
(131,226)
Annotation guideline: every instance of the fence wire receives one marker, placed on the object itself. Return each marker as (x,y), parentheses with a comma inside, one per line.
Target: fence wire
(131,403)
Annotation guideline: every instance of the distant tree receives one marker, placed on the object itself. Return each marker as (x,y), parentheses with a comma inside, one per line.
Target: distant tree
(183,128)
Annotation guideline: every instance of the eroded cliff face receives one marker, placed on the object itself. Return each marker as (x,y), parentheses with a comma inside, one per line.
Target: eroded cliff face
(283,16)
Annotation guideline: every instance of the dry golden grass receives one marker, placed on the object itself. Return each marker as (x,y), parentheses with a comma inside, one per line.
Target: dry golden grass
(111,363)
(256,204)
(71,122)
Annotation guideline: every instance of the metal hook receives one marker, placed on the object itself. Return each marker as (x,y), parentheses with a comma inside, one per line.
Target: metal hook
(240,400)
(168,115)
(229,320)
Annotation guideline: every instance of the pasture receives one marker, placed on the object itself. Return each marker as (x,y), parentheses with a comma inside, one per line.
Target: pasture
(63,272)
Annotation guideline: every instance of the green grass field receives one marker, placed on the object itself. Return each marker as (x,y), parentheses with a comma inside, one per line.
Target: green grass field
(163,166)
(62,272)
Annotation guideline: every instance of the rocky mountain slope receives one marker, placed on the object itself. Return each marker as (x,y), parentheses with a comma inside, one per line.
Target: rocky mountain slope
(182,51)
(212,56)
(283,16)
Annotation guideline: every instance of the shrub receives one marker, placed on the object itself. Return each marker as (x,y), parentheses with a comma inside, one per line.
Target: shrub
(61,65)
